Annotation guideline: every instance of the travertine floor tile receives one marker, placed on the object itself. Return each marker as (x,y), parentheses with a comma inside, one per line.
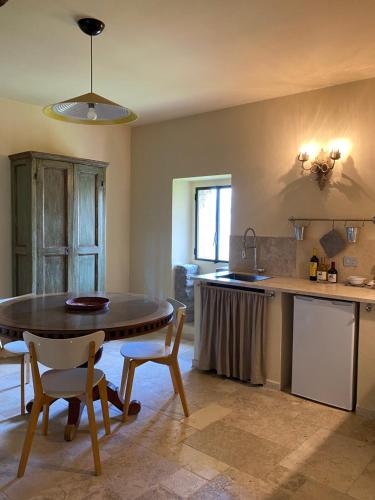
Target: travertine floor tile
(195,461)
(237,448)
(211,413)
(183,483)
(157,431)
(158,493)
(331,459)
(312,490)
(81,491)
(237,485)
(251,401)
(285,478)
(325,416)
(282,429)
(358,427)
(364,487)
(257,488)
(301,454)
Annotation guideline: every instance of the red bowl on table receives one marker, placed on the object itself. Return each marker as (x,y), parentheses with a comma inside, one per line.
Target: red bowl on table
(87,303)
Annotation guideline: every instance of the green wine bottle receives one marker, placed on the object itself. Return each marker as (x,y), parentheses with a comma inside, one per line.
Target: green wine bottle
(314,262)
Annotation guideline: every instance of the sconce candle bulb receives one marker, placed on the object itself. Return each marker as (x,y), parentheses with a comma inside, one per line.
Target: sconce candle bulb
(303,156)
(335,154)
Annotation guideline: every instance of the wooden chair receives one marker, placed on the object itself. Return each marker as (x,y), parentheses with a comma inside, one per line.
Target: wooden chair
(64,380)
(20,351)
(138,353)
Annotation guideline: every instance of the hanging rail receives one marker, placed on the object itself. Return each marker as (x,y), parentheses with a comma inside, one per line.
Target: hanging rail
(348,219)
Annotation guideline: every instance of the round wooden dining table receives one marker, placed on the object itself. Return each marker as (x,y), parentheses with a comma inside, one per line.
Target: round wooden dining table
(128,315)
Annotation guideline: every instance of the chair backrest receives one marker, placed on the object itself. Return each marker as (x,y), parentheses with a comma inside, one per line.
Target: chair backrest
(178,307)
(7,300)
(64,353)
(179,312)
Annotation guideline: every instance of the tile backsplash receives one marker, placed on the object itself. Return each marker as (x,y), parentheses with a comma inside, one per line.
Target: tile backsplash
(363,250)
(284,256)
(278,256)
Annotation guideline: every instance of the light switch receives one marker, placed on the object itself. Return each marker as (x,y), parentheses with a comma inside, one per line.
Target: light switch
(350,261)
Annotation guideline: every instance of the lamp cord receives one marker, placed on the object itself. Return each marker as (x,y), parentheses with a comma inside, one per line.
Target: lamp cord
(91,61)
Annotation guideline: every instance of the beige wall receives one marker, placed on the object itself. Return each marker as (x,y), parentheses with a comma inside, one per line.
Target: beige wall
(257,144)
(181,222)
(23,127)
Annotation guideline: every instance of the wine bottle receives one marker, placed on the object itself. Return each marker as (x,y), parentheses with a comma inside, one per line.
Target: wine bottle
(314,262)
(322,270)
(332,273)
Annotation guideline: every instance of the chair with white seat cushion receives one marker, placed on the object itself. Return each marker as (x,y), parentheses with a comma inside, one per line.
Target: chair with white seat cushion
(65,380)
(19,349)
(138,353)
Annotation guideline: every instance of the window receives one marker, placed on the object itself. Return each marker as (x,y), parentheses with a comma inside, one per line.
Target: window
(212,223)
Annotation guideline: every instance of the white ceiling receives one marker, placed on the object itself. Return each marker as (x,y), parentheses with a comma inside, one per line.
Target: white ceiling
(170,58)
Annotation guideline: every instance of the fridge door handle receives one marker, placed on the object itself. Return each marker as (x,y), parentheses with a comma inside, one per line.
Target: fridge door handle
(341,303)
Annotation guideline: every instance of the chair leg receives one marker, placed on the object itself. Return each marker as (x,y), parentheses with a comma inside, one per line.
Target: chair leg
(47,402)
(93,433)
(33,422)
(181,390)
(128,392)
(125,371)
(175,387)
(27,368)
(102,386)
(22,386)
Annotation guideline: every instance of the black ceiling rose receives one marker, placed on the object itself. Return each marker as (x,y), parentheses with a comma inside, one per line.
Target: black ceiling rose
(91,26)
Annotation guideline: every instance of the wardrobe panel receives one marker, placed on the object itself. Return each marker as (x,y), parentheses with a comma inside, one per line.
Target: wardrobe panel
(55,274)
(56,206)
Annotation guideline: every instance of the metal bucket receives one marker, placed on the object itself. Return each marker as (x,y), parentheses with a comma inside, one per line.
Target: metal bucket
(352,233)
(299,229)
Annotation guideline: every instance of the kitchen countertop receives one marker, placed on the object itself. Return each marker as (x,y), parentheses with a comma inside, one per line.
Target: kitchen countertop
(298,286)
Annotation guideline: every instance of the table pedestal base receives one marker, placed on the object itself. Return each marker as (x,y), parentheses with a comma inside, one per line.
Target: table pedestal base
(76,407)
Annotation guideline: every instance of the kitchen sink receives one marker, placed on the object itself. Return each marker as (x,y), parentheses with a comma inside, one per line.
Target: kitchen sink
(245,277)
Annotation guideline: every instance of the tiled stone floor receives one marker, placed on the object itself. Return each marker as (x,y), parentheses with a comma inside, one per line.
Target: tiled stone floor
(239,442)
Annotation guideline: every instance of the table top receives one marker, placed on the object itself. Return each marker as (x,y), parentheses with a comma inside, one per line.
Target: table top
(46,315)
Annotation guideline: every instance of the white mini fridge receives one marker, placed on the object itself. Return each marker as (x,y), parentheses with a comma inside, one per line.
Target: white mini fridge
(325,351)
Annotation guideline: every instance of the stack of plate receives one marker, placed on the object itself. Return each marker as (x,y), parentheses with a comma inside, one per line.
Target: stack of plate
(356,280)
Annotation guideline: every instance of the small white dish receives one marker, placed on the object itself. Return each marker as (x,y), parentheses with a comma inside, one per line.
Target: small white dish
(356,280)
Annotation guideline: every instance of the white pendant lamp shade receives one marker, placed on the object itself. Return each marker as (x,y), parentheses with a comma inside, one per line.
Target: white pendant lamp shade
(90,108)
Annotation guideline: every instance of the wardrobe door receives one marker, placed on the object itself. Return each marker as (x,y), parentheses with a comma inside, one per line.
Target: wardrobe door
(89,227)
(22,227)
(54,207)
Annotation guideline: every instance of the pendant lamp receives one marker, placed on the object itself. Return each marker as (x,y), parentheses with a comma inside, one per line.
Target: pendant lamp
(90,108)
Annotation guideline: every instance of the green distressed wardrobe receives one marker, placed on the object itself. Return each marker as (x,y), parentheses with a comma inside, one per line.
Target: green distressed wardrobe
(58,223)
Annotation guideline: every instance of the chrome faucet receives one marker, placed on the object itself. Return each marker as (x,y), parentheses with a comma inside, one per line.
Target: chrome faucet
(253,246)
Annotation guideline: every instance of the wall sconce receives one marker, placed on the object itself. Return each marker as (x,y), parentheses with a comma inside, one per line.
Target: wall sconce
(321,165)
